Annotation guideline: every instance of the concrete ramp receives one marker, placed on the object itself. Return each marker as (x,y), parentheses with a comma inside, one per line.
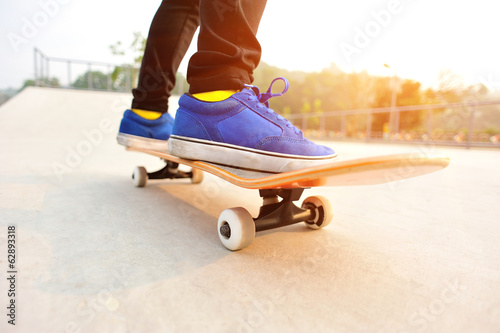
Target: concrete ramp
(95,254)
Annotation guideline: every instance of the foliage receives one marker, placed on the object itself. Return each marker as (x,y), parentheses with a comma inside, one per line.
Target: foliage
(43,82)
(136,50)
(320,93)
(333,90)
(91,80)
(6,94)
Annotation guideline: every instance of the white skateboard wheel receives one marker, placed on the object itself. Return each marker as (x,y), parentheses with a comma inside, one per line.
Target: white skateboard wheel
(140,176)
(322,209)
(236,228)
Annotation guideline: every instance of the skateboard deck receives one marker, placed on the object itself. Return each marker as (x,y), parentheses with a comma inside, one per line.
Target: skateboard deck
(237,228)
(363,171)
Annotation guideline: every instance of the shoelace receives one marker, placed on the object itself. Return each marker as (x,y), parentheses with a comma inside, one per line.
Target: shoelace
(265,97)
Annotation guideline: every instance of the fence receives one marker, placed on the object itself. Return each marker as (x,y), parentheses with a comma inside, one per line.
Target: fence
(467,124)
(52,72)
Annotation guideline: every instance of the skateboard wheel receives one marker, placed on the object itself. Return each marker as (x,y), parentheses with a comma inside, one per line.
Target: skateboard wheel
(197,176)
(322,209)
(236,228)
(140,176)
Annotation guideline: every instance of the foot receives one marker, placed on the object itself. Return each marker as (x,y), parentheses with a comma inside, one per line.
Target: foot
(242,131)
(136,131)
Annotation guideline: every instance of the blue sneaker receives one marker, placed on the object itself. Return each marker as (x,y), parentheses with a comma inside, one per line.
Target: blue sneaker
(242,131)
(138,132)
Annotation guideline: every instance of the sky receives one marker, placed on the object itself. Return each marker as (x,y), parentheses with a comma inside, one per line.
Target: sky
(417,39)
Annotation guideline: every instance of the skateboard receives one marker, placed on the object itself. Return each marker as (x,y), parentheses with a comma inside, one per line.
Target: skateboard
(236,227)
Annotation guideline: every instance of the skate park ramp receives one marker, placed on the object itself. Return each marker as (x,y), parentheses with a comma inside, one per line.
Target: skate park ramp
(96,254)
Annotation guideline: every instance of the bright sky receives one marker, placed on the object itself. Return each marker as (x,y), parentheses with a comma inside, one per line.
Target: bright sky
(417,38)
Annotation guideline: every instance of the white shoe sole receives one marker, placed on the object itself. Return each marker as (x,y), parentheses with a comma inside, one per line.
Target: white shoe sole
(241,157)
(134,141)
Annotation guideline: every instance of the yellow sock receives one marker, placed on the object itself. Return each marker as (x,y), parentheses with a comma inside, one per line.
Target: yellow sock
(215,96)
(149,115)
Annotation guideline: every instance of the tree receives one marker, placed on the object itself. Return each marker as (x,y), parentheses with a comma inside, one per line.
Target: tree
(4,98)
(42,82)
(92,80)
(450,89)
(410,94)
(123,77)
(136,49)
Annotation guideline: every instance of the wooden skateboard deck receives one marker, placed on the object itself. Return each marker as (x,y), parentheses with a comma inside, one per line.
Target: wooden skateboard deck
(237,228)
(363,171)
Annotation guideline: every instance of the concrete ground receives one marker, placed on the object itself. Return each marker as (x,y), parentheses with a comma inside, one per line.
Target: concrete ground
(96,254)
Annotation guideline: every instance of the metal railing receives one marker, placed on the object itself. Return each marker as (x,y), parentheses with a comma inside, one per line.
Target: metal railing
(433,127)
(91,73)
(444,124)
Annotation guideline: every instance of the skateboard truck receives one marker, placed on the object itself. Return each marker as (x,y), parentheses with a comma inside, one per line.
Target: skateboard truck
(275,213)
(170,171)
(237,227)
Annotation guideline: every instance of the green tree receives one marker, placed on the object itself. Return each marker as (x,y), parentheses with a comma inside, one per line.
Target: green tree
(120,73)
(123,77)
(42,82)
(136,50)
(92,80)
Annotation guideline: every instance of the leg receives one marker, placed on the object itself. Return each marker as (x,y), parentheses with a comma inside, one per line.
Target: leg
(169,37)
(228,50)
(237,128)
(148,125)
